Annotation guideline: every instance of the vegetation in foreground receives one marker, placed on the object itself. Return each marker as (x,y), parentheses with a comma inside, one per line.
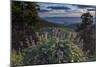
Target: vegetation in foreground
(34,43)
(55,46)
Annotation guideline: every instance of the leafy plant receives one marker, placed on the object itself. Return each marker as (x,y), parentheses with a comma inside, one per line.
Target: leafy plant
(53,48)
(16,58)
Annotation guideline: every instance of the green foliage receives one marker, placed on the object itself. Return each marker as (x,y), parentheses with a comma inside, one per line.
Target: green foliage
(48,45)
(16,58)
(25,22)
(53,49)
(86,33)
(25,14)
(54,46)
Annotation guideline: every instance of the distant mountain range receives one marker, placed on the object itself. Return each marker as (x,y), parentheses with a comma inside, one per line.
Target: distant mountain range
(53,24)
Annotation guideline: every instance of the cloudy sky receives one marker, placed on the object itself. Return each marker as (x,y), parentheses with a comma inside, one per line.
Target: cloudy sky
(63,10)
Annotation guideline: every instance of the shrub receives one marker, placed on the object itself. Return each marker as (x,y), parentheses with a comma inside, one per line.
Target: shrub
(52,50)
(16,58)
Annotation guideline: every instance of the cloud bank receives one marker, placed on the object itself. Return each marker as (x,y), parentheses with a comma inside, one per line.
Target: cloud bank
(56,9)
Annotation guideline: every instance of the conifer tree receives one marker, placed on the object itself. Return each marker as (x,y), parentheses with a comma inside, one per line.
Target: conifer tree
(25,21)
(86,33)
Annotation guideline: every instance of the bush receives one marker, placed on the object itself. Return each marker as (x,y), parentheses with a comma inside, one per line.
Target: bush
(16,58)
(53,47)
(52,50)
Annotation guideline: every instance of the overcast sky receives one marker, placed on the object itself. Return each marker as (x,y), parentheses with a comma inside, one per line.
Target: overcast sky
(56,9)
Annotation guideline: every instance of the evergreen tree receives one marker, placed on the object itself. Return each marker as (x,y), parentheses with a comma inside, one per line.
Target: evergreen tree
(25,21)
(86,33)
